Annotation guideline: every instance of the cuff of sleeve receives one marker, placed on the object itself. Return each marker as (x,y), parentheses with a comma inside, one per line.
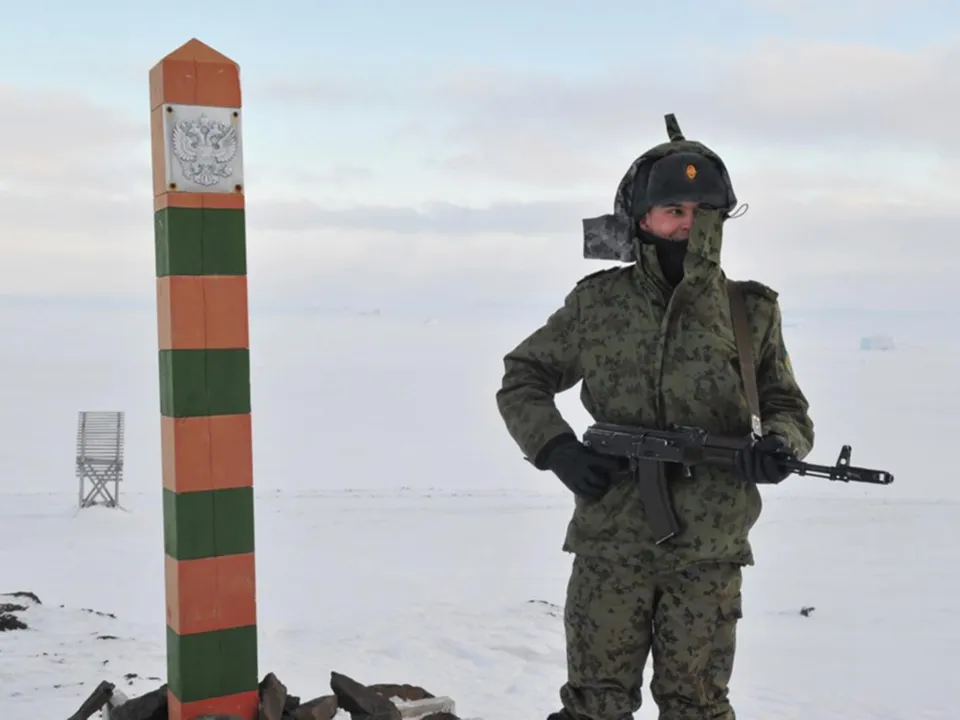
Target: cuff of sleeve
(795,441)
(539,460)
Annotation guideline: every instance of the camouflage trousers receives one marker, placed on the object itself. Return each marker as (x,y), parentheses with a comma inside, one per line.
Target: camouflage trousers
(617,615)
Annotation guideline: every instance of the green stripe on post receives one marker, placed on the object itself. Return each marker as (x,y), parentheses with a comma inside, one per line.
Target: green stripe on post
(208,523)
(200,241)
(195,383)
(212,664)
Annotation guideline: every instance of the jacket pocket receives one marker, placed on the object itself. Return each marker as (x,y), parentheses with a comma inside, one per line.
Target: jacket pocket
(603,519)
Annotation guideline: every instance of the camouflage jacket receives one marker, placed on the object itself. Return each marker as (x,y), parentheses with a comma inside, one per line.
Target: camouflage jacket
(651,356)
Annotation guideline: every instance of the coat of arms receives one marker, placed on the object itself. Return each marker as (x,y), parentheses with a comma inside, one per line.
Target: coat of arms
(204,148)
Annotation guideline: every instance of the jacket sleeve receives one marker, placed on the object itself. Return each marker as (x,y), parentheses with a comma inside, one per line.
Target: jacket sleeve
(544,364)
(783,406)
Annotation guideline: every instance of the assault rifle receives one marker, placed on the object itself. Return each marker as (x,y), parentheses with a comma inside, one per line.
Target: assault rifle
(688,446)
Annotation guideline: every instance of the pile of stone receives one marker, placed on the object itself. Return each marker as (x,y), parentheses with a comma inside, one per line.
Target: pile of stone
(9,621)
(348,697)
(362,702)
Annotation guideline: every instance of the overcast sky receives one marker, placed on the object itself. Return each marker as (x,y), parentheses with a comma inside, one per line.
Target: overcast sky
(446,152)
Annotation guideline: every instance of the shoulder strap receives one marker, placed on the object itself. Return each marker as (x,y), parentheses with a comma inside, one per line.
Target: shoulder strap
(596,274)
(748,370)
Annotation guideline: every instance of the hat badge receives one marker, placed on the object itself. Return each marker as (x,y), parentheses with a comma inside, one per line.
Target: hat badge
(691,171)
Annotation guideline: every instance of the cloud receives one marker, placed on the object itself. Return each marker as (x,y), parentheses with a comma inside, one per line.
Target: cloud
(842,153)
(838,240)
(844,246)
(76,215)
(328,91)
(443,218)
(272,177)
(841,12)
(60,141)
(792,96)
(75,202)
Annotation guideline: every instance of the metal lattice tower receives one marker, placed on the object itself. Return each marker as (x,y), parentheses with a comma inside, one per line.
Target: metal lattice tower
(100,457)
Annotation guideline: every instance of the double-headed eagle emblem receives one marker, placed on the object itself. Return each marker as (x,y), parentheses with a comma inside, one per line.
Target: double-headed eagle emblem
(204,148)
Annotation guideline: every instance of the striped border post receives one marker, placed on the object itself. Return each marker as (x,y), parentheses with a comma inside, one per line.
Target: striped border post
(202,322)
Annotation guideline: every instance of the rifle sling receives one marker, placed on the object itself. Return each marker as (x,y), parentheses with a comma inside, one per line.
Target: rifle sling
(748,370)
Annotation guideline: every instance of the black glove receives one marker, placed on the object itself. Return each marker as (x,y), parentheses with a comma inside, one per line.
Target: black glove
(583,470)
(759,463)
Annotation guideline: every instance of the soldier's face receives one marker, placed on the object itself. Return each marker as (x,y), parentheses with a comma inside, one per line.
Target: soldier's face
(672,222)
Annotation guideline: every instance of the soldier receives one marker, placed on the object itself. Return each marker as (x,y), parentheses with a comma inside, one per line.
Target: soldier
(653,344)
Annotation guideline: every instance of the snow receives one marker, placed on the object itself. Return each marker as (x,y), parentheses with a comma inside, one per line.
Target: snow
(401,537)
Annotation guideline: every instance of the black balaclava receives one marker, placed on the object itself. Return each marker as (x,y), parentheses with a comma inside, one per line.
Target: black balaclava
(680,177)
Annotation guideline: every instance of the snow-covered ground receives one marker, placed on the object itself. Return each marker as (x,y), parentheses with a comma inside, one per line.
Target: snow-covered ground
(401,538)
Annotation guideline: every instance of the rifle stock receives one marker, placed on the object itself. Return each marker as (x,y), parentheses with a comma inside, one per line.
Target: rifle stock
(648,449)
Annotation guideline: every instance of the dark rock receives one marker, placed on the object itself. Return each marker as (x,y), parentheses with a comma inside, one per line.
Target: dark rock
(100,696)
(408,693)
(440,716)
(321,708)
(360,701)
(273,698)
(10,607)
(11,622)
(98,612)
(152,706)
(24,594)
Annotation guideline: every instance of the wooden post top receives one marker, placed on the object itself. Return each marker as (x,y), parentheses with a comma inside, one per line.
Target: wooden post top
(195,74)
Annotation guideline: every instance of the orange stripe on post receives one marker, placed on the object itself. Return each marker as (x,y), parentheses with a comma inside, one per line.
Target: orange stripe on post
(210,594)
(226,311)
(202,312)
(207,453)
(181,321)
(175,79)
(195,74)
(245,705)
(215,201)
(158,149)
(218,79)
